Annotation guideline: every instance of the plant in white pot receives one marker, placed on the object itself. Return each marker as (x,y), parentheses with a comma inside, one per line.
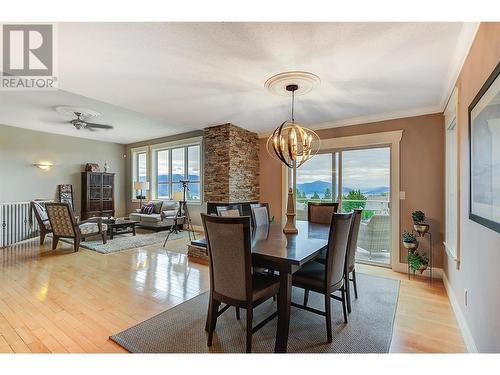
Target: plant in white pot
(419,222)
(409,241)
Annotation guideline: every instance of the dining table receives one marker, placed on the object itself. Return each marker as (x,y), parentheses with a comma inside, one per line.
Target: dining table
(285,253)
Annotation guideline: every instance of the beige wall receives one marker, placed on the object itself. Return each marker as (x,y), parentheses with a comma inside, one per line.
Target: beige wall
(21,181)
(421,168)
(479,246)
(194,209)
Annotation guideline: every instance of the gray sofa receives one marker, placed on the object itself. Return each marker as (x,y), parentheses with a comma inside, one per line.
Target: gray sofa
(159,218)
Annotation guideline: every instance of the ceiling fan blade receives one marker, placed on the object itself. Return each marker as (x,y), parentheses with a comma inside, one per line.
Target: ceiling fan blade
(90,129)
(98,126)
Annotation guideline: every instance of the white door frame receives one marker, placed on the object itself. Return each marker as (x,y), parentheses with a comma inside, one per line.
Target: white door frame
(391,139)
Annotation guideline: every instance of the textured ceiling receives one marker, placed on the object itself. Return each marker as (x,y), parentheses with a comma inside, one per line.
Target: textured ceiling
(166,78)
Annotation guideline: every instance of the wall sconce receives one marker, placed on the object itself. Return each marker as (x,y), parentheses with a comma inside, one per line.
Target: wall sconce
(44,165)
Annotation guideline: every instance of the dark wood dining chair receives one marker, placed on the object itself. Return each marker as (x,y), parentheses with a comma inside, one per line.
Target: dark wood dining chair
(232,281)
(321,213)
(232,211)
(64,225)
(351,258)
(330,277)
(260,214)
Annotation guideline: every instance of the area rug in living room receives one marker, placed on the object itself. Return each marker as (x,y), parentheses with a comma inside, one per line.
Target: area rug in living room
(127,241)
(182,328)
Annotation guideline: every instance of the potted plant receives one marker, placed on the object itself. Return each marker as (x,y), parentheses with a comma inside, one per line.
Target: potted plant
(417,262)
(409,241)
(419,222)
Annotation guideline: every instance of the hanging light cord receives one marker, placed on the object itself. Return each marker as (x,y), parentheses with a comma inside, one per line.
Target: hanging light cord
(293,103)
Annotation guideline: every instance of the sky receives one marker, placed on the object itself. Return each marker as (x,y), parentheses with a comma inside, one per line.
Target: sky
(178,161)
(362,169)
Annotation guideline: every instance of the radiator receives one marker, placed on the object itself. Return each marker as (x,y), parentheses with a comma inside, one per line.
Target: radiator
(17,223)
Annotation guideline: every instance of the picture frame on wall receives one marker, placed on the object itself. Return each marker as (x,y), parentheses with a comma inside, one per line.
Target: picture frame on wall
(484,154)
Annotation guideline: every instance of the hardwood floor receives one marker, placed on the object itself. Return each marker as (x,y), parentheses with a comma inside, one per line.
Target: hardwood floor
(60,301)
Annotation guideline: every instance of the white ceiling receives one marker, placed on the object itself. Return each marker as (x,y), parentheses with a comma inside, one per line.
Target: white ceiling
(156,79)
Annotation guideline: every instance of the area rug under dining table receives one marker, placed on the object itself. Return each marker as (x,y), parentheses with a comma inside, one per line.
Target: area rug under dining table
(181,329)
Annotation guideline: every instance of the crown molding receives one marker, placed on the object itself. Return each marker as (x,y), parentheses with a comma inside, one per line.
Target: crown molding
(360,120)
(464,44)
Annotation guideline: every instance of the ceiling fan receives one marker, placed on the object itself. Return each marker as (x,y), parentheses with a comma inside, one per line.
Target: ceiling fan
(80,123)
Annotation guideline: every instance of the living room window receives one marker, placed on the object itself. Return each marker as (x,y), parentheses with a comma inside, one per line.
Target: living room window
(173,163)
(139,168)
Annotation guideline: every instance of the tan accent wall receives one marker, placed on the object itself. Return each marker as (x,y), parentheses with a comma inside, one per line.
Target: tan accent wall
(479,246)
(421,168)
(21,181)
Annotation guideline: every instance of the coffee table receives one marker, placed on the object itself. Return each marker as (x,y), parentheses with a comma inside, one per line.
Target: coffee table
(119,226)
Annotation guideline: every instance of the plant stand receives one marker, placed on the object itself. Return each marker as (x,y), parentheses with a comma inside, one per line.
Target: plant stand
(428,236)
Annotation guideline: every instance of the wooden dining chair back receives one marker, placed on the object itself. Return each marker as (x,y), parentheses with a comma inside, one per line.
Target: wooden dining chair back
(229,246)
(260,215)
(352,246)
(229,250)
(228,211)
(321,213)
(353,239)
(338,239)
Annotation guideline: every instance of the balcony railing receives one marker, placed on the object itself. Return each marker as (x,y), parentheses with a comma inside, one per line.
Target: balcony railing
(370,207)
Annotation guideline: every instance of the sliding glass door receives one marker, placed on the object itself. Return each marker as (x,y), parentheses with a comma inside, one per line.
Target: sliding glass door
(358,178)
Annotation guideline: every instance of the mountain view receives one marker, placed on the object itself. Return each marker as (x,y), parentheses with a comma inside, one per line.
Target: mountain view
(309,188)
(194,188)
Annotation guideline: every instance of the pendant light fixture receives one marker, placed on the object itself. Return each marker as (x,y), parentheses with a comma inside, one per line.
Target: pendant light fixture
(292,143)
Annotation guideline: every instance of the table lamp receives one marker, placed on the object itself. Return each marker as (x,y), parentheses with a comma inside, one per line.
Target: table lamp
(141,185)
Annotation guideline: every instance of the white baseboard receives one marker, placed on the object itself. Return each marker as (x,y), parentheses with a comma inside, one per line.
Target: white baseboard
(462,323)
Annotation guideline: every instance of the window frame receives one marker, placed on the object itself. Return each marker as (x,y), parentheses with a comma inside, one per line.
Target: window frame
(135,152)
(169,146)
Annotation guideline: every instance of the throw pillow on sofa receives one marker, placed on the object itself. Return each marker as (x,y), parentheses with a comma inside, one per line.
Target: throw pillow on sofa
(157,206)
(148,209)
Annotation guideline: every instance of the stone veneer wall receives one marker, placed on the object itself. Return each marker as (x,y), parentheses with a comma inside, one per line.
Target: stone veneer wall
(231,164)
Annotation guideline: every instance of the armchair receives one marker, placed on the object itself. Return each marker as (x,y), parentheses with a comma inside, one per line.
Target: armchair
(375,235)
(64,225)
(41,218)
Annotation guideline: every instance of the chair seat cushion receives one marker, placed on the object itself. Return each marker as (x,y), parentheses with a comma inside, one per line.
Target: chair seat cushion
(264,286)
(88,228)
(311,274)
(151,218)
(169,213)
(145,217)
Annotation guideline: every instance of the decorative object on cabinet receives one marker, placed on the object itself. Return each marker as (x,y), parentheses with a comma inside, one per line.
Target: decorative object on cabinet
(92,167)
